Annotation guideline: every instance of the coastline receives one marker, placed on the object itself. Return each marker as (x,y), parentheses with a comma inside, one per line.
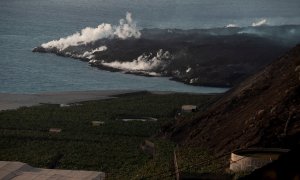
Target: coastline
(194,57)
(10,101)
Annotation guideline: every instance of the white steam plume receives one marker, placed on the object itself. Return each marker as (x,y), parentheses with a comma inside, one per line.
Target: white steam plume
(89,54)
(142,63)
(126,29)
(259,23)
(231,25)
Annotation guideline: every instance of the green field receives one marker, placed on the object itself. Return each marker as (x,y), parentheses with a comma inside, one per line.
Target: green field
(112,148)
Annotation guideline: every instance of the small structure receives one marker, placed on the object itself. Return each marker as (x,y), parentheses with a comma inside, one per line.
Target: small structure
(247,160)
(148,147)
(18,170)
(97,123)
(142,119)
(55,130)
(64,105)
(177,172)
(189,108)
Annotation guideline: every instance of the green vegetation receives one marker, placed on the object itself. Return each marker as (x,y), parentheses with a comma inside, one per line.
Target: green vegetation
(161,165)
(195,160)
(112,148)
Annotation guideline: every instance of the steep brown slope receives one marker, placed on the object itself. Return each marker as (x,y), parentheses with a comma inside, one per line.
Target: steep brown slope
(262,111)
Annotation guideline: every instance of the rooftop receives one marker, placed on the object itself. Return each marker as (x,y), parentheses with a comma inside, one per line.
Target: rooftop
(10,170)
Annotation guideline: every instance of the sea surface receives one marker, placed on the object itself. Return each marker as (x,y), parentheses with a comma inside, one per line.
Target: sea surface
(25,24)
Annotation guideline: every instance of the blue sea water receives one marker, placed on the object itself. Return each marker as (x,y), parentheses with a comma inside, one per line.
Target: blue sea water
(25,24)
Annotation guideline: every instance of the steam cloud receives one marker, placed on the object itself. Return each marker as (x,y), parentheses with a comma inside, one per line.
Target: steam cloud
(231,25)
(89,54)
(259,23)
(143,62)
(126,29)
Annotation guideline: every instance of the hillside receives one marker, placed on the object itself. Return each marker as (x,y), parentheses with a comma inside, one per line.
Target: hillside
(262,111)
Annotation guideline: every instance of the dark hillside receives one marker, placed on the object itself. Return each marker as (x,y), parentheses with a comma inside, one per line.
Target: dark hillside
(262,111)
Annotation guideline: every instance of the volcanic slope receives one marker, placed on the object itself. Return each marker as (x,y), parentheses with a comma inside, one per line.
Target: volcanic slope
(263,111)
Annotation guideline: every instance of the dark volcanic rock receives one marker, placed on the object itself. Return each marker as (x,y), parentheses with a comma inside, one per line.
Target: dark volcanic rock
(213,57)
(39,49)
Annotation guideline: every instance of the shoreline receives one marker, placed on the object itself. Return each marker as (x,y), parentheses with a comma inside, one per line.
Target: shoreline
(11,101)
(137,73)
(193,57)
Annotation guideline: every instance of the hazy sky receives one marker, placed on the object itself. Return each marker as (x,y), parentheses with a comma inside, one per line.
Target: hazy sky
(162,13)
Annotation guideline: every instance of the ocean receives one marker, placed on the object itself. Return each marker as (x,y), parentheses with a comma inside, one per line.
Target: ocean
(27,24)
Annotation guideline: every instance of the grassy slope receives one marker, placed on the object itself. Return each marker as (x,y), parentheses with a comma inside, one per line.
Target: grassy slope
(112,148)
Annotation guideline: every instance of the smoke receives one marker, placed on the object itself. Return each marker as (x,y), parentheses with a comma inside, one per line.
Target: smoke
(126,29)
(143,62)
(231,25)
(89,54)
(259,23)
(188,70)
(253,30)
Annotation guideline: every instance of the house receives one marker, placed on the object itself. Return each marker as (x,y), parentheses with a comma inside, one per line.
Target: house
(97,123)
(55,130)
(189,108)
(247,160)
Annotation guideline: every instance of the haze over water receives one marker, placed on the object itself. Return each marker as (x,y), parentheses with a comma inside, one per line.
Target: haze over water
(27,24)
